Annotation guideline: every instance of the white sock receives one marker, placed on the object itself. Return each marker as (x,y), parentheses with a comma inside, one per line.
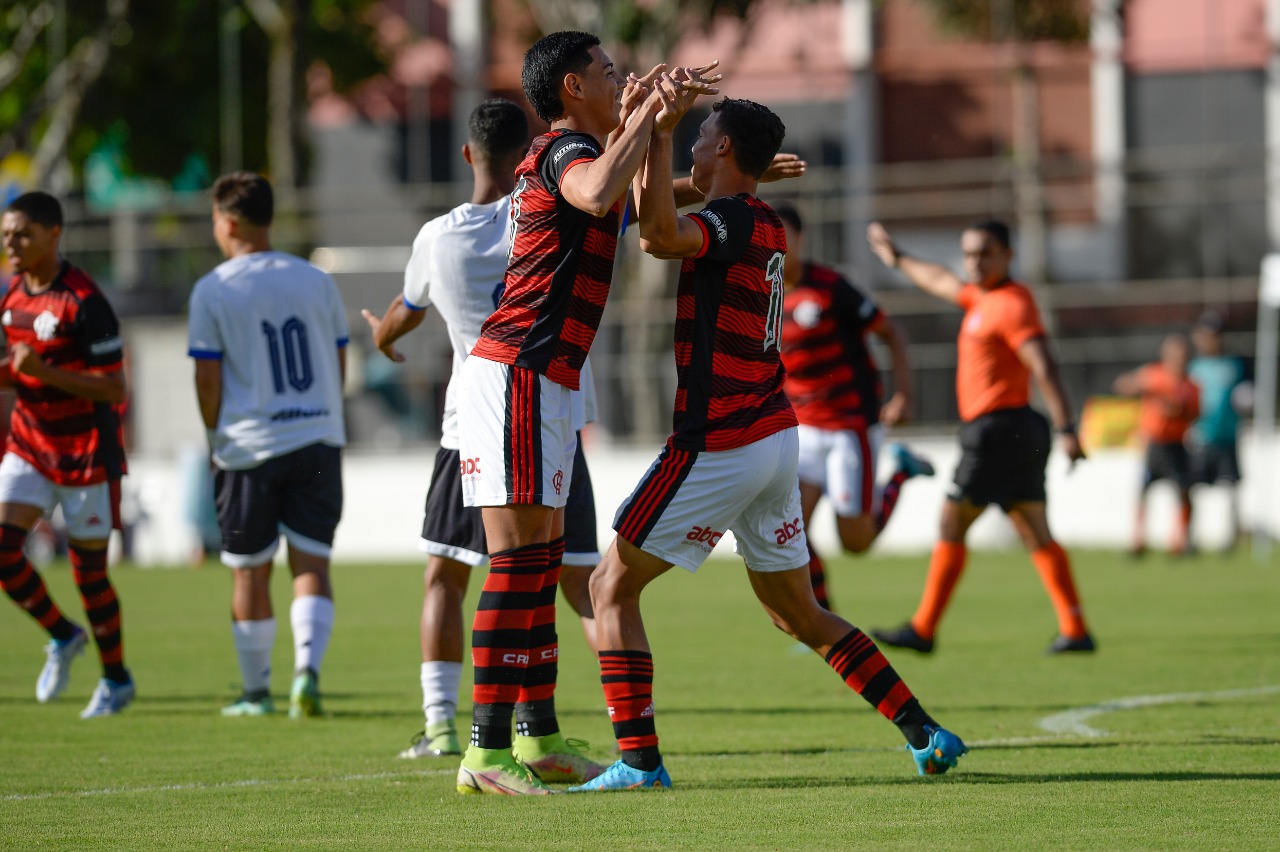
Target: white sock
(312,620)
(440,690)
(253,640)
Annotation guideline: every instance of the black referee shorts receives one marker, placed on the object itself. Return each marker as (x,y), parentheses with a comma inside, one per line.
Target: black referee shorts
(1002,458)
(1169,461)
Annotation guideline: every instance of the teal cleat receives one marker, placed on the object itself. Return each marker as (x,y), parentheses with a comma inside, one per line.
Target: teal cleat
(942,753)
(250,705)
(908,462)
(304,697)
(620,776)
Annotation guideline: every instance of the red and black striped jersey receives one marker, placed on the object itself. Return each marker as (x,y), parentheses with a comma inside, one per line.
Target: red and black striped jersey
(560,268)
(729,302)
(71,440)
(831,378)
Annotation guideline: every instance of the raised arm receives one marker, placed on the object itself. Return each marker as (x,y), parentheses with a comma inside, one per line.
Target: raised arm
(933,278)
(664,233)
(1039,360)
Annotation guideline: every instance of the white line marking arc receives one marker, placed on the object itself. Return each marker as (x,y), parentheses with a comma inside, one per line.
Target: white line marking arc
(1073,722)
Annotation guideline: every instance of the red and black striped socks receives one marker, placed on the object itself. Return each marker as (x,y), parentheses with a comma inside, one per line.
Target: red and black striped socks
(866,671)
(89,568)
(627,677)
(536,703)
(500,639)
(889,498)
(25,586)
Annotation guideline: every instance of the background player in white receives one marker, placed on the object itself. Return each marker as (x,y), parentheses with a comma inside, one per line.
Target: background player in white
(267,331)
(458,263)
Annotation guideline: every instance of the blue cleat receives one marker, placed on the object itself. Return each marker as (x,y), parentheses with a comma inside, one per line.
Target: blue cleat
(623,777)
(943,752)
(908,462)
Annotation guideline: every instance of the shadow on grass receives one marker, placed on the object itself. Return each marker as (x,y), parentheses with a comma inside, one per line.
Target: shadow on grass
(961,777)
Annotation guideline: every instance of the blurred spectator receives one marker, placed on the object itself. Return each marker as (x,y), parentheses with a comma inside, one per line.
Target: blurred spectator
(1170,402)
(1224,395)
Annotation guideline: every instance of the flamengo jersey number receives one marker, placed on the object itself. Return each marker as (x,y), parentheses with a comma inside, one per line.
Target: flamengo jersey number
(777,295)
(290,355)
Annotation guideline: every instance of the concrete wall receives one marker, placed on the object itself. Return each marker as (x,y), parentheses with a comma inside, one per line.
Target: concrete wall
(1091,506)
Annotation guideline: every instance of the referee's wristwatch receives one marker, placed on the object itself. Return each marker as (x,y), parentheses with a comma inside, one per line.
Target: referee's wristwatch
(1068,429)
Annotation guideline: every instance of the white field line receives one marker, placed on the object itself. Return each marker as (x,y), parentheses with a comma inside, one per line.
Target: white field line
(1074,722)
(1066,724)
(220,785)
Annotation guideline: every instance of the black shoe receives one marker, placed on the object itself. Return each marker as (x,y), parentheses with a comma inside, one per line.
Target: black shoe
(1065,644)
(904,637)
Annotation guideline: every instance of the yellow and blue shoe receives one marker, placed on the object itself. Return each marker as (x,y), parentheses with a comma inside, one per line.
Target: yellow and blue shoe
(620,776)
(556,760)
(304,696)
(495,771)
(942,753)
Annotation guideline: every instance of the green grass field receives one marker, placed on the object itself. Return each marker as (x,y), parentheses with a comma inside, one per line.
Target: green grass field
(767,749)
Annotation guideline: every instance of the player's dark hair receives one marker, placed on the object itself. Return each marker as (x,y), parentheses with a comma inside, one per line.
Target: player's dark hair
(547,63)
(756,133)
(498,127)
(245,195)
(997,229)
(40,207)
(788,213)
(1211,321)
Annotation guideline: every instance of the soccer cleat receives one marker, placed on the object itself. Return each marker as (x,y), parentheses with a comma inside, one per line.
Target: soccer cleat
(57,665)
(908,462)
(942,753)
(903,637)
(495,771)
(438,740)
(250,704)
(555,759)
(109,698)
(620,776)
(304,697)
(1067,644)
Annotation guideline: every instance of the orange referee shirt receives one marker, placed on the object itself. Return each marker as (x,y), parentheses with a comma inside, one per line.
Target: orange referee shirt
(989,374)
(1169,404)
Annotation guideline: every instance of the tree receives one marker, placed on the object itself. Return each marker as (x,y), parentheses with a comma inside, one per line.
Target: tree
(1020,23)
(158,93)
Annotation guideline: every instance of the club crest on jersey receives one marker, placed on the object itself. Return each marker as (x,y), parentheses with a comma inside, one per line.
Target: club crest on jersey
(807,314)
(46,326)
(7,319)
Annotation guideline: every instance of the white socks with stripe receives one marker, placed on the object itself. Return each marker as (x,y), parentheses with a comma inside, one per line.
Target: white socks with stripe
(312,620)
(253,641)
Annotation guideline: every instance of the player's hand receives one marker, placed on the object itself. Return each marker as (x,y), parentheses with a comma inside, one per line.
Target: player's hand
(1071,446)
(675,104)
(23,359)
(698,80)
(882,245)
(388,349)
(896,411)
(784,166)
(634,92)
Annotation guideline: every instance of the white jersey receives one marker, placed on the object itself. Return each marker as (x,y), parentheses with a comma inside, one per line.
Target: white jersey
(458,264)
(276,323)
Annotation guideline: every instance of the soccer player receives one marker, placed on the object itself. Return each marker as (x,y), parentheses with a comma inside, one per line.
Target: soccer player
(64,365)
(268,334)
(1004,443)
(1170,401)
(834,385)
(731,461)
(1224,394)
(456,259)
(514,405)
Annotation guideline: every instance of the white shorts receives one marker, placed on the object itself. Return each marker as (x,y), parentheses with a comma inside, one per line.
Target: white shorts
(843,463)
(687,500)
(88,509)
(516,436)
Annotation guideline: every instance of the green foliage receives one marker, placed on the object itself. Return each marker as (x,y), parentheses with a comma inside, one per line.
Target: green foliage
(160,91)
(1026,20)
(767,749)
